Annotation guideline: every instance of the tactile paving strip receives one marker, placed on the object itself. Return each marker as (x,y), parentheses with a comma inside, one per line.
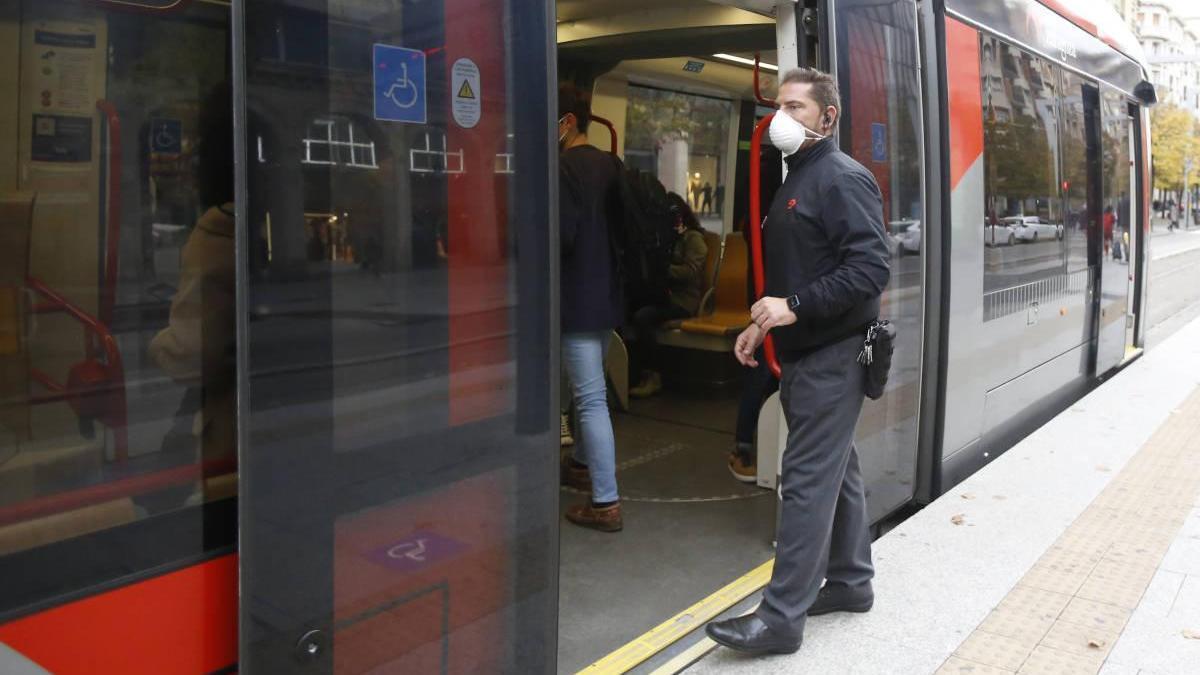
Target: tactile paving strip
(1067,612)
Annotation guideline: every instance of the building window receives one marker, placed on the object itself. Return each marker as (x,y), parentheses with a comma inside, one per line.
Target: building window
(334,141)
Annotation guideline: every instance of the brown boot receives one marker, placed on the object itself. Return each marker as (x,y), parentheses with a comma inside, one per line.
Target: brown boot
(605,519)
(575,475)
(742,469)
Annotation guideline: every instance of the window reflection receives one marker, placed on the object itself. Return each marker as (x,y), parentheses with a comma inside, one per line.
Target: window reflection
(1032,251)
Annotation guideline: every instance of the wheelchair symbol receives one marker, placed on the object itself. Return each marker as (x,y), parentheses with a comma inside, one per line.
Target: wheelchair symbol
(399,98)
(164,138)
(410,550)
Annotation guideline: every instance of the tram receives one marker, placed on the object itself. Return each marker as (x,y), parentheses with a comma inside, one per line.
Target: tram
(279,318)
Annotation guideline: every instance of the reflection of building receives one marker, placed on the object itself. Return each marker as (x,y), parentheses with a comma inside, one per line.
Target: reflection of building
(1172,44)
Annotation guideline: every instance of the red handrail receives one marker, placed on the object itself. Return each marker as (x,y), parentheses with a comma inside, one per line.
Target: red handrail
(96,334)
(757,93)
(612,131)
(112,236)
(756,225)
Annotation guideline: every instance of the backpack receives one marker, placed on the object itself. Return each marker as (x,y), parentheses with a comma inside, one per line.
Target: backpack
(645,238)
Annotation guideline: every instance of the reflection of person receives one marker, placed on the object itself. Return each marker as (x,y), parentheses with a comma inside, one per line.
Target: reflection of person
(706,202)
(197,348)
(592,304)
(1109,221)
(827,263)
(719,198)
(685,284)
(694,190)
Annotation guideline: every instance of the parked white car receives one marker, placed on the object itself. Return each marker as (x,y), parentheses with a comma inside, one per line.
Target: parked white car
(1003,234)
(905,236)
(1033,228)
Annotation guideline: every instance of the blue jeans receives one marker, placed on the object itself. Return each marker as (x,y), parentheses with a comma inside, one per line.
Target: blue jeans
(583,361)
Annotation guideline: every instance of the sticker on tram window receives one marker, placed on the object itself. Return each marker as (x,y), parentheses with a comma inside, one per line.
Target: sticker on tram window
(468,102)
(59,138)
(399,84)
(166,136)
(416,551)
(878,142)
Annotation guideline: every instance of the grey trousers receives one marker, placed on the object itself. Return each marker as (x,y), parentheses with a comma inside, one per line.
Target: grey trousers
(823,530)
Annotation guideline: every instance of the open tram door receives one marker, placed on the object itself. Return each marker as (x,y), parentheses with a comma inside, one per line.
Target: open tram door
(646,65)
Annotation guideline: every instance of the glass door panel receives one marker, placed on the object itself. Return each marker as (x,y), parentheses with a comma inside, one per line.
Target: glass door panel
(399,509)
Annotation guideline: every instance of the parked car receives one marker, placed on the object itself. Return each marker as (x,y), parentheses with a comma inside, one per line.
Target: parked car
(905,236)
(1002,234)
(1033,228)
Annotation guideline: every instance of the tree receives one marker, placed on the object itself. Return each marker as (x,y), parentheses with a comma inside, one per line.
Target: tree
(1175,138)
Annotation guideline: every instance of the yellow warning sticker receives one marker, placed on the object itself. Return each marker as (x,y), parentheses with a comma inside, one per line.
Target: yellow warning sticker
(467,104)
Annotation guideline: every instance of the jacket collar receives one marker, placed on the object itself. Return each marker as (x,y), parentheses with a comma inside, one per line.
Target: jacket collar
(809,155)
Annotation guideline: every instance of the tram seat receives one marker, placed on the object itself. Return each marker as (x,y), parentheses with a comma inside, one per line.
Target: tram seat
(717,329)
(29,534)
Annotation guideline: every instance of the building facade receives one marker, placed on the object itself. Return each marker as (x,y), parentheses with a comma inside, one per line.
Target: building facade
(1172,44)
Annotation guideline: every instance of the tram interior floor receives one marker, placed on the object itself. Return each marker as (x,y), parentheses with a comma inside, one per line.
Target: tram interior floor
(690,528)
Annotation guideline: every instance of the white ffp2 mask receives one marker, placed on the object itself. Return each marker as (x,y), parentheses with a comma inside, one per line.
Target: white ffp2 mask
(789,135)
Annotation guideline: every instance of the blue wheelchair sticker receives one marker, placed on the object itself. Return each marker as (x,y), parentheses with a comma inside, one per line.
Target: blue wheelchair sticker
(878,142)
(166,136)
(399,84)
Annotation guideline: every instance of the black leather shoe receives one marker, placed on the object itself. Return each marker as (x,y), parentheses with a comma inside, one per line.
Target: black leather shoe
(748,634)
(841,598)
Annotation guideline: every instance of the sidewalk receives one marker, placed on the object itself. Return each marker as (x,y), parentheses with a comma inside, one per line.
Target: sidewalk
(1165,243)
(1077,551)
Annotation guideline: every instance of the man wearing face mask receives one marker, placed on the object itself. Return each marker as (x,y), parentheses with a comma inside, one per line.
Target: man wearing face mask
(592,305)
(827,263)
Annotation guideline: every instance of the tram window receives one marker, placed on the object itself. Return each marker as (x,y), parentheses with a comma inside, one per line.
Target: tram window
(683,139)
(116,294)
(1115,143)
(1024,247)
(1073,134)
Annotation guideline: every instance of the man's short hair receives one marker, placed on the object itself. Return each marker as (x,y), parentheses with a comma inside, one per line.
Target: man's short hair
(824,88)
(572,99)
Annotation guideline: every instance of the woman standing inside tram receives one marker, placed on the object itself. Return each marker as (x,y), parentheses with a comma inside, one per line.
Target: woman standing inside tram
(592,305)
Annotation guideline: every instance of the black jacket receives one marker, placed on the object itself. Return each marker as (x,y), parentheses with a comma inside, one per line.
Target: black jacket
(589,205)
(824,242)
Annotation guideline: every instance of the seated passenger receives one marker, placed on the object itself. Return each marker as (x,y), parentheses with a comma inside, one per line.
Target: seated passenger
(685,286)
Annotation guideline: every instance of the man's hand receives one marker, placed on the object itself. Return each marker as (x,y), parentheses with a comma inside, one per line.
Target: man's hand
(771,312)
(747,342)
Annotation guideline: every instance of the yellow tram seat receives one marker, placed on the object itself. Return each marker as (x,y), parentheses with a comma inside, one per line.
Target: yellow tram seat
(730,314)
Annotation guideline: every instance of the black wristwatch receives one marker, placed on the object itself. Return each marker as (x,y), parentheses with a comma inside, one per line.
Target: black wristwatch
(793,302)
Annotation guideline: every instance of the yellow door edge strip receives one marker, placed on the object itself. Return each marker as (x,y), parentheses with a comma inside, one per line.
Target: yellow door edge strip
(668,632)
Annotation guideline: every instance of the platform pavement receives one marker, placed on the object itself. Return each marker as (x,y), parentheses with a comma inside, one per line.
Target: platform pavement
(1078,550)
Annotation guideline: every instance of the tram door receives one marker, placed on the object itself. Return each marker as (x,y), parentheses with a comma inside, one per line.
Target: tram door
(398,491)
